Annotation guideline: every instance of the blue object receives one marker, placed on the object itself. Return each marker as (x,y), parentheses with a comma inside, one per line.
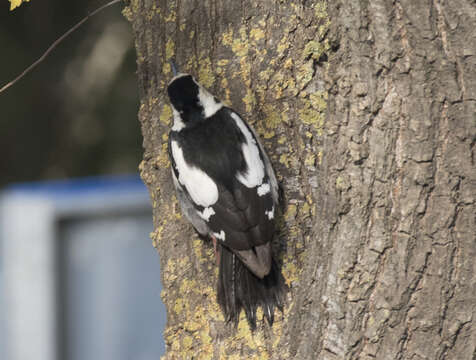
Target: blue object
(77,254)
(80,185)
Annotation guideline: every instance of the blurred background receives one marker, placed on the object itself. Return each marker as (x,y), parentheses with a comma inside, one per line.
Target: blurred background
(79,278)
(76,113)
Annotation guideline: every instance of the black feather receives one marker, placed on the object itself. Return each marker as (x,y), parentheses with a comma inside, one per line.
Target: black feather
(183,94)
(214,145)
(239,288)
(248,276)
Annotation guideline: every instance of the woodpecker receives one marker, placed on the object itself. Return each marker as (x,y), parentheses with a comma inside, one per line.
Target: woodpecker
(227,189)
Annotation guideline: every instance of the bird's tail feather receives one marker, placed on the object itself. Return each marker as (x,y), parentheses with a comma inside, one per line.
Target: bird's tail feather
(239,288)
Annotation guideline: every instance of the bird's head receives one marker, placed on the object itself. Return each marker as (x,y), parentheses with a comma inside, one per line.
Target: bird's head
(190,101)
(183,93)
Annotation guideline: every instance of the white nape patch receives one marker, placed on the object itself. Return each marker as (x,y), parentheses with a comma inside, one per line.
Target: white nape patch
(220,235)
(206,213)
(178,122)
(270,213)
(263,189)
(210,106)
(255,174)
(200,186)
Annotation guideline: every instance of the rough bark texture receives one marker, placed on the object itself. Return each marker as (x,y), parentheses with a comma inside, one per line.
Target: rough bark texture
(378,237)
(400,283)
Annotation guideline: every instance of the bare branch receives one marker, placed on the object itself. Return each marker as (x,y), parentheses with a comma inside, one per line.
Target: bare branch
(56,43)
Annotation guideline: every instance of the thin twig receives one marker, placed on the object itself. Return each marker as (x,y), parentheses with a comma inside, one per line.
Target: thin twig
(58,41)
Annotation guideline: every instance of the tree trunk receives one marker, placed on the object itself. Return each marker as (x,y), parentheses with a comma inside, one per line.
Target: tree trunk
(368,112)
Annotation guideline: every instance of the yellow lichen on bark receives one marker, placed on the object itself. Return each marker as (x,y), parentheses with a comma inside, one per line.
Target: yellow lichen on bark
(266,70)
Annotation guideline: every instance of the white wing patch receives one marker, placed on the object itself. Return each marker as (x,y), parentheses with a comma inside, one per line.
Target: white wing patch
(269,170)
(210,106)
(220,235)
(270,213)
(263,189)
(200,186)
(255,174)
(206,213)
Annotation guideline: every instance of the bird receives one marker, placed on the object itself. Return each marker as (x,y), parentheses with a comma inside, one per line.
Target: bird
(227,189)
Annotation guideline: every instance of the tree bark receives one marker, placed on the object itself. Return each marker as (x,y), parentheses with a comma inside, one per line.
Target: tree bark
(368,112)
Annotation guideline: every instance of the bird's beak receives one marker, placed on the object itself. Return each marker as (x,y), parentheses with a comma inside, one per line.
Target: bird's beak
(174,67)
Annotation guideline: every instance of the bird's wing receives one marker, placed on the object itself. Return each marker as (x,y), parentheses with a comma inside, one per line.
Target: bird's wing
(238,210)
(188,206)
(268,166)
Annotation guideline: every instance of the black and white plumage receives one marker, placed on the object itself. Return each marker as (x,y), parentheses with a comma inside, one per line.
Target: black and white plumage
(227,189)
